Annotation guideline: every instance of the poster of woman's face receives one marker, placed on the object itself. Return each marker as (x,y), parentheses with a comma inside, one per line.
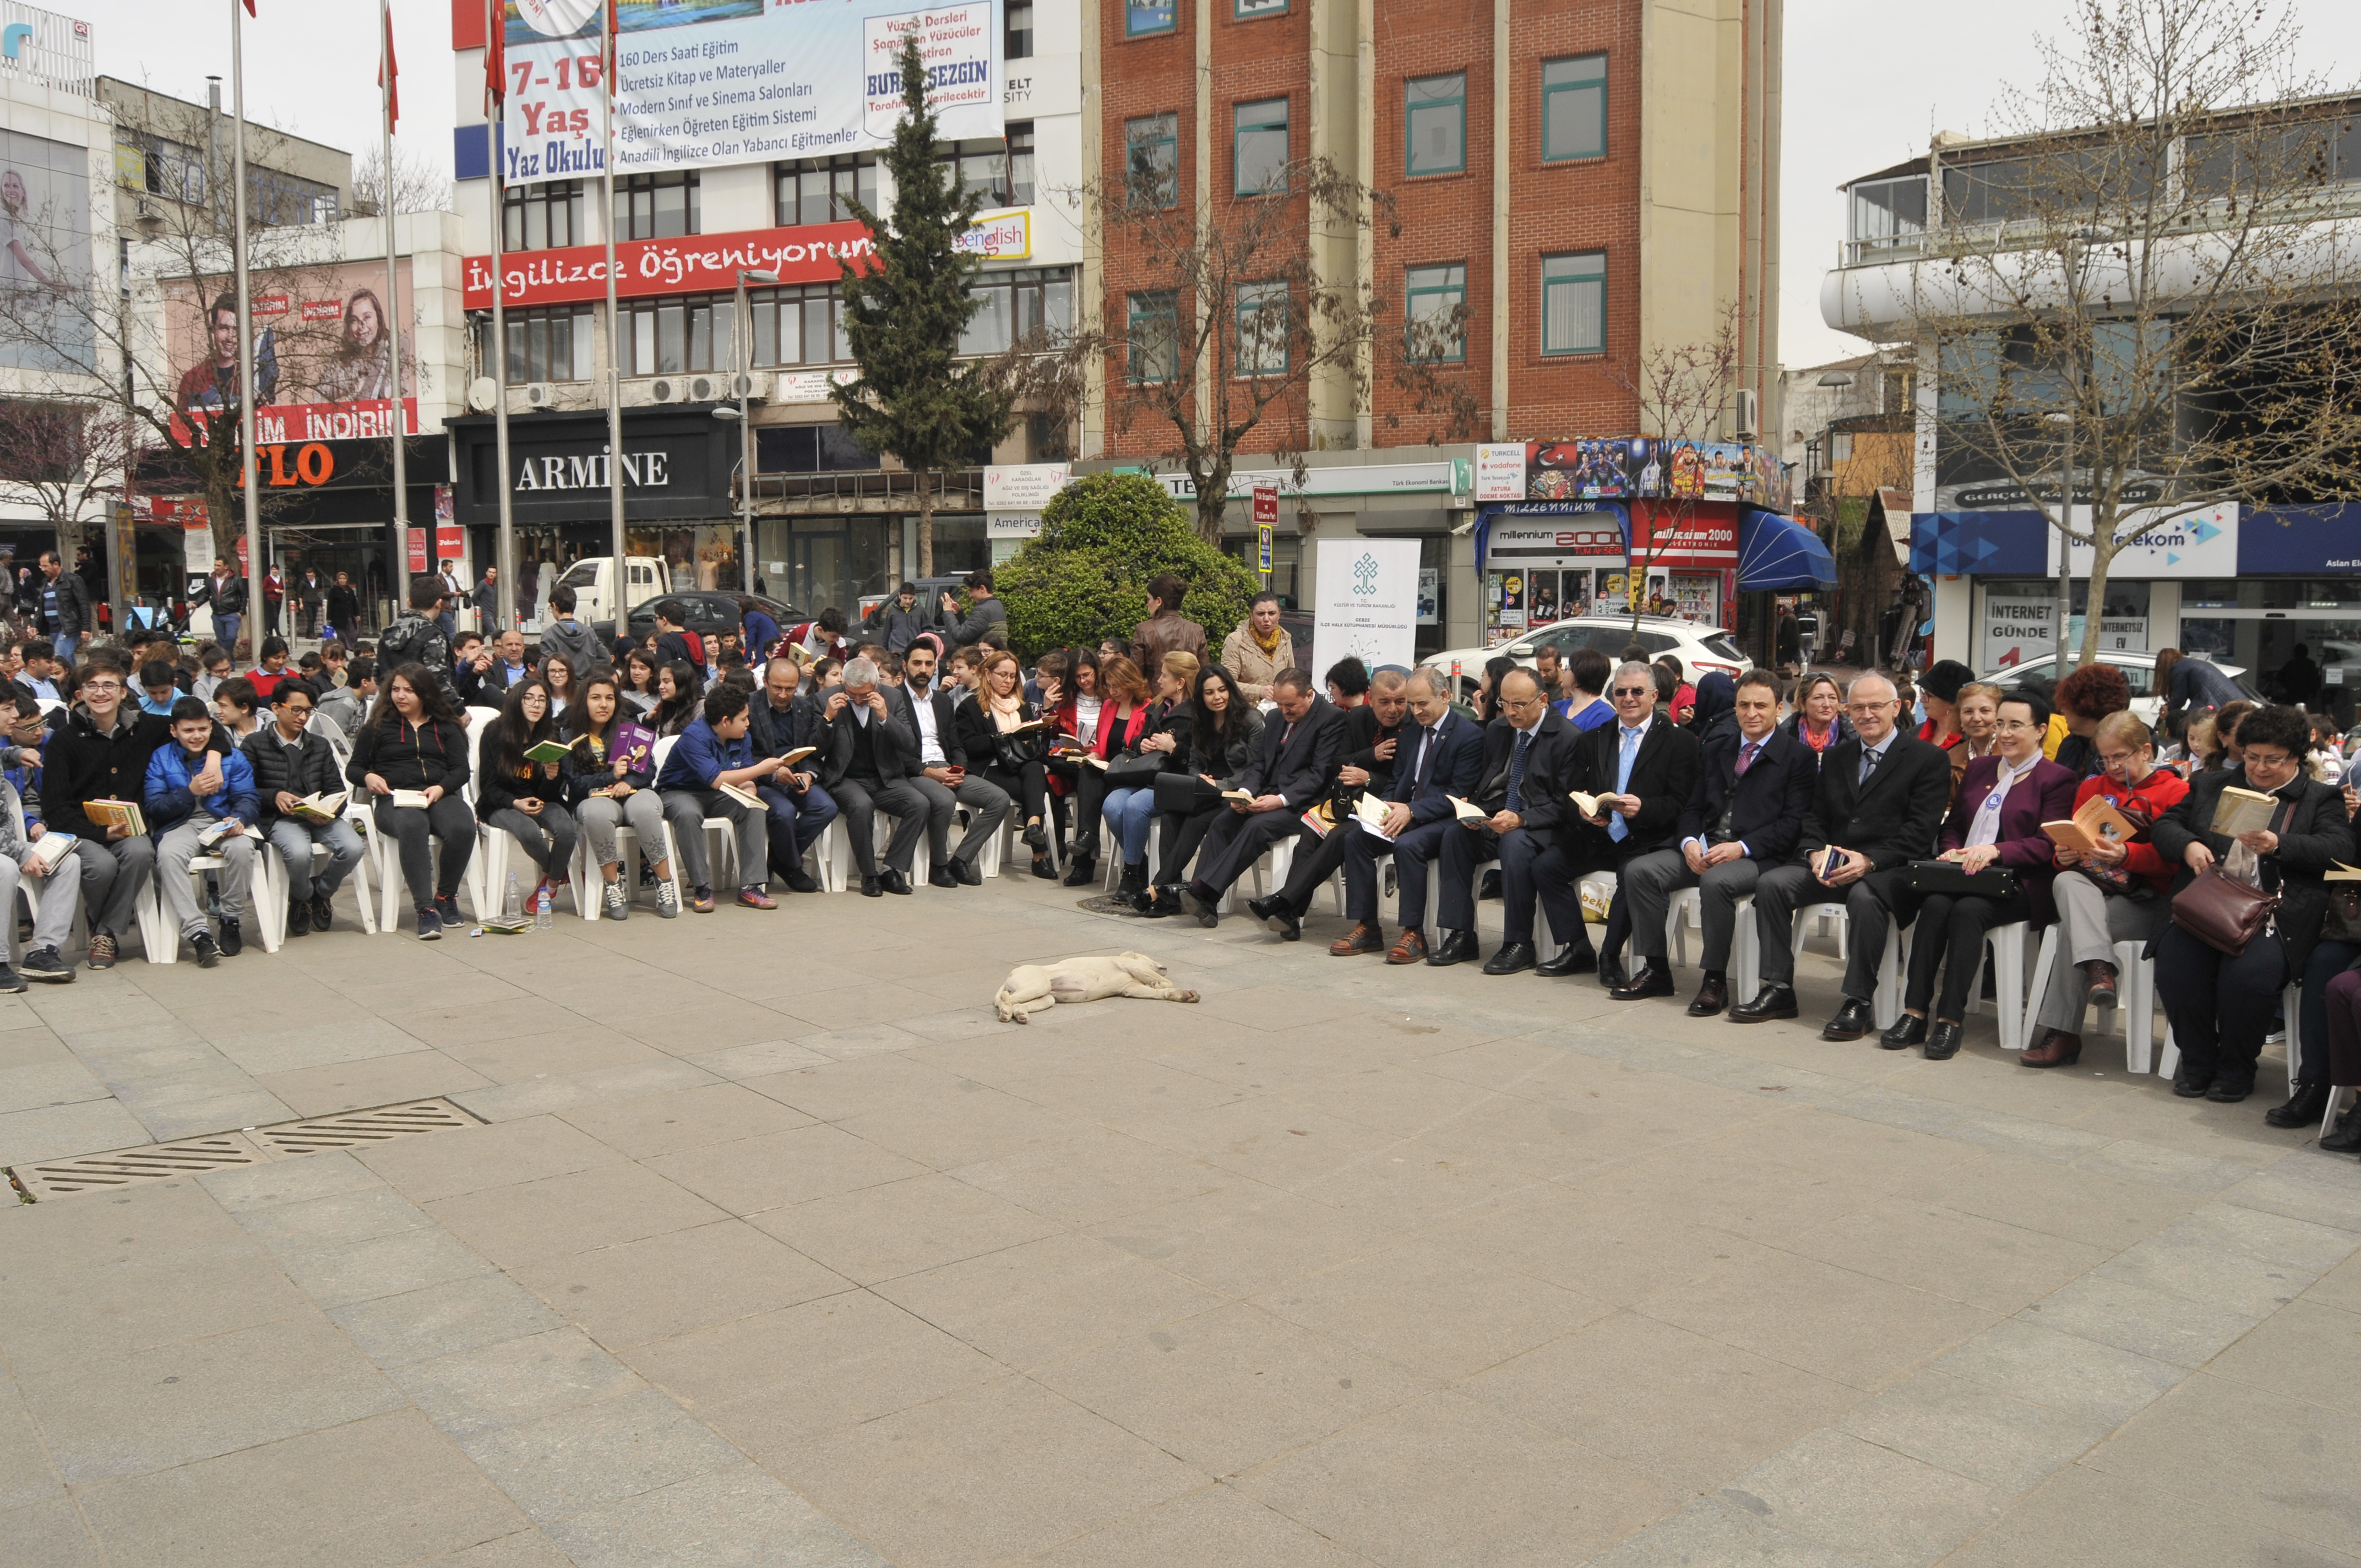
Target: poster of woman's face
(321,330)
(44,253)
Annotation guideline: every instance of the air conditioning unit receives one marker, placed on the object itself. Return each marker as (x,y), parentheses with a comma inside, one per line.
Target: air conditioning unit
(1749,415)
(540,395)
(707,390)
(755,389)
(665,389)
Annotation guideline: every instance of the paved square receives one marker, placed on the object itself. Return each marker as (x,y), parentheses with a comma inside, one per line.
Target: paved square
(777,1246)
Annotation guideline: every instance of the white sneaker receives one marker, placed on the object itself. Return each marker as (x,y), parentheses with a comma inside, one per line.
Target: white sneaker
(619,907)
(667,900)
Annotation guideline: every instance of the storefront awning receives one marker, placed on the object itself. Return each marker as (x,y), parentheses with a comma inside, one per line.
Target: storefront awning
(1776,552)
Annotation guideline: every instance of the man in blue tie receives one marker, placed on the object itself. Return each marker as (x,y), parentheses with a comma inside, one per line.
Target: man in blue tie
(1441,757)
(1529,766)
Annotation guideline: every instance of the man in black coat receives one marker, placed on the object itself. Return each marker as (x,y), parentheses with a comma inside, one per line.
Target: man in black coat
(924,712)
(1303,747)
(1881,798)
(869,771)
(782,719)
(1755,785)
(1529,766)
(1373,736)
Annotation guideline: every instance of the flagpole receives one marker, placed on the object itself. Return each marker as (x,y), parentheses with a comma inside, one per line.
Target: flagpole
(621,579)
(504,600)
(396,576)
(244,334)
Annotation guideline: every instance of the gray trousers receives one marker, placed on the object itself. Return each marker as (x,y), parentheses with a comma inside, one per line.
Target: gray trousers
(1784,889)
(2091,921)
(687,810)
(987,806)
(293,838)
(1649,883)
(857,804)
(641,811)
(60,895)
(548,838)
(178,846)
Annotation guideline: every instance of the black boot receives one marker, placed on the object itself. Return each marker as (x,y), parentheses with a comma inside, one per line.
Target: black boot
(2304,1107)
(1134,883)
(1082,871)
(2345,1136)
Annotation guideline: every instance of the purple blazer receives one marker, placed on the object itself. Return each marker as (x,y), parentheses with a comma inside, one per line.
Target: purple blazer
(2046,794)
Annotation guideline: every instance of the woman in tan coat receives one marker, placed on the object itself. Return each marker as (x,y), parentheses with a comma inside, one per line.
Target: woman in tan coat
(1260,648)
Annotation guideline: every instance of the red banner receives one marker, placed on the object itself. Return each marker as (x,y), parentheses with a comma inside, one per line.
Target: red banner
(692,265)
(450,545)
(1698,533)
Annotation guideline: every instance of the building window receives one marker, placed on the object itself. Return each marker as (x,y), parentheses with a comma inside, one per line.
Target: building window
(1154,333)
(1145,18)
(1151,156)
(817,190)
(1840,446)
(1020,163)
(1249,10)
(1262,329)
(1028,302)
(1573,303)
(542,217)
(1435,124)
(1434,300)
(797,327)
(544,346)
(1574,108)
(1260,157)
(1019,42)
(981,165)
(276,200)
(1889,214)
(656,206)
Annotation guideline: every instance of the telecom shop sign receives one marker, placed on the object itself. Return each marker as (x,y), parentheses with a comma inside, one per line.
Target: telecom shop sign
(707,82)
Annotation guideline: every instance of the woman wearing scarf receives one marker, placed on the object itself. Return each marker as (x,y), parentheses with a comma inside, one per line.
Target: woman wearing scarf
(1258,649)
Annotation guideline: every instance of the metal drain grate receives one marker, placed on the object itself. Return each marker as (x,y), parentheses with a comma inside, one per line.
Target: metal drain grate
(226,1151)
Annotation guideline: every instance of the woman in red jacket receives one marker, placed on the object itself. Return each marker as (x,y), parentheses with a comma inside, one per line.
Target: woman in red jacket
(2114,893)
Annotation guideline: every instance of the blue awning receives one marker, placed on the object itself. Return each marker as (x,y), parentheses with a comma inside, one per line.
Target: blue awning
(1774,552)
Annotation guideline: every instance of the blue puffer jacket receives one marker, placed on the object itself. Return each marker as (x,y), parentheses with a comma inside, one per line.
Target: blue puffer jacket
(170,800)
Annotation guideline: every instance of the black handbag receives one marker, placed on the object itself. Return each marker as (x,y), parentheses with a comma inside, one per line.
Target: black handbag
(1183,794)
(1133,770)
(1947,877)
(1014,754)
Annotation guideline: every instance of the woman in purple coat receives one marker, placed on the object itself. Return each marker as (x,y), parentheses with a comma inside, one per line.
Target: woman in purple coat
(2004,799)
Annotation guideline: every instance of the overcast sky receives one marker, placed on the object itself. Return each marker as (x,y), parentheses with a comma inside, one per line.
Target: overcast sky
(1868,82)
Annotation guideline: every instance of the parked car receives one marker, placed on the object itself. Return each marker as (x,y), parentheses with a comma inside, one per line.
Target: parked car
(1698,648)
(2139,672)
(708,614)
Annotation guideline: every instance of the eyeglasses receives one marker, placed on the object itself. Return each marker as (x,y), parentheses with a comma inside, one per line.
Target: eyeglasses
(1633,691)
(1868,708)
(100,688)
(2017,724)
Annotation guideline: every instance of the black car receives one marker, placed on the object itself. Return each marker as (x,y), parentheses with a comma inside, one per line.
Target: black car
(709,614)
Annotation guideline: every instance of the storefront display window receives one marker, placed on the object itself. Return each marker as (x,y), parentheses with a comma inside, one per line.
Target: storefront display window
(700,557)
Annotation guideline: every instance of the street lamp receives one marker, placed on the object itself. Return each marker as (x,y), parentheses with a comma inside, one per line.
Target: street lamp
(742,331)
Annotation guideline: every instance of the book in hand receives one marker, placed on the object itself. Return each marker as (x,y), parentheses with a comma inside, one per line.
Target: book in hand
(1370,813)
(1239,796)
(1094,759)
(547,752)
(2242,811)
(1032,727)
(221,828)
(1590,805)
(52,846)
(2095,822)
(416,797)
(123,814)
(742,796)
(2342,872)
(322,806)
(797,754)
(1467,811)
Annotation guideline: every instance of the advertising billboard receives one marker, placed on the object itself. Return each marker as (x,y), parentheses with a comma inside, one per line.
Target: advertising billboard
(1597,468)
(647,267)
(320,370)
(45,254)
(707,83)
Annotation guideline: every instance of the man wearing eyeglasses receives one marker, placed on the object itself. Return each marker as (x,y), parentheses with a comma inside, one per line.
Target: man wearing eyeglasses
(1528,766)
(1881,794)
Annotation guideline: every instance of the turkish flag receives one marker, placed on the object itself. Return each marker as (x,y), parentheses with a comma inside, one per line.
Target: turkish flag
(496,56)
(387,74)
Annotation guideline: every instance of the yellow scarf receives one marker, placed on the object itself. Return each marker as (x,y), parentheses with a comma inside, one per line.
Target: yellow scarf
(1269,645)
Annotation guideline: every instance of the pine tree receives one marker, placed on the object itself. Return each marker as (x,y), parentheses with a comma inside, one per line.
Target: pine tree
(904,315)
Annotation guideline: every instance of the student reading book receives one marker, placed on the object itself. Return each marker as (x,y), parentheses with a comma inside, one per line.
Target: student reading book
(300,802)
(202,803)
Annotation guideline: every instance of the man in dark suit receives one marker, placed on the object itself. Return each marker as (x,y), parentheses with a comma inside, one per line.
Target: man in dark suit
(782,719)
(1529,765)
(1881,796)
(1374,735)
(1303,747)
(1441,756)
(1755,783)
(869,771)
(923,709)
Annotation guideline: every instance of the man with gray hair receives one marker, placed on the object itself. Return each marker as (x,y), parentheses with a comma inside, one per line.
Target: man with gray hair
(869,771)
(1881,796)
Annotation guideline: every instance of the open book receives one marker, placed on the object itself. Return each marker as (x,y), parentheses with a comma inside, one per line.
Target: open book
(1241,796)
(2095,822)
(1590,805)
(1032,727)
(547,752)
(1467,811)
(220,828)
(321,808)
(797,754)
(2342,873)
(1370,813)
(123,814)
(2242,811)
(742,796)
(52,846)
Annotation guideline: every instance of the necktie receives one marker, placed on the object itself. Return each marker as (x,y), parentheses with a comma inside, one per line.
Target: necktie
(1618,826)
(1867,765)
(1426,757)
(1517,772)
(1746,756)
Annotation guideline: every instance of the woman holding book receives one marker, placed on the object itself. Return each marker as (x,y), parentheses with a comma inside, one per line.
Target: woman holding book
(1224,733)
(610,783)
(1995,823)
(2112,891)
(521,786)
(411,759)
(2292,830)
(1072,697)
(1126,797)
(1002,726)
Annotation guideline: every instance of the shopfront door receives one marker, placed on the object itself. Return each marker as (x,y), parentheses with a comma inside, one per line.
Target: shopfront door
(816,571)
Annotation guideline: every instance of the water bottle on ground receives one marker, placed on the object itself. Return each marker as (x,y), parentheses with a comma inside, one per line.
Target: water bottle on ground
(540,921)
(512,904)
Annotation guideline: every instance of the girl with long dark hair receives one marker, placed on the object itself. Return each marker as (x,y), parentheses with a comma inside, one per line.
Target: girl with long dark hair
(610,783)
(521,797)
(412,742)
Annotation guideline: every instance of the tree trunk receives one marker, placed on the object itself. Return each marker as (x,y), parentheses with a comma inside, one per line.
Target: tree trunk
(926,526)
(2102,555)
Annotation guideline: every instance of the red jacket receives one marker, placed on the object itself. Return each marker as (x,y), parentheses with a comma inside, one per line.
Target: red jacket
(2151,798)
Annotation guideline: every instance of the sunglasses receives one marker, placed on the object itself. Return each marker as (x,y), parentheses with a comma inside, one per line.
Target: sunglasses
(1633,691)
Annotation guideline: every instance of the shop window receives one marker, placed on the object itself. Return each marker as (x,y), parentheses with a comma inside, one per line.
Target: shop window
(1154,337)
(1037,301)
(1017,44)
(1148,18)
(542,217)
(1263,323)
(809,449)
(1259,156)
(553,344)
(820,190)
(1435,124)
(1434,301)
(1152,160)
(1574,108)
(656,206)
(1573,303)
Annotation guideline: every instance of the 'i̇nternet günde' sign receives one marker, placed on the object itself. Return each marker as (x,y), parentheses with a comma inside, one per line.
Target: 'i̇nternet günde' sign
(703,82)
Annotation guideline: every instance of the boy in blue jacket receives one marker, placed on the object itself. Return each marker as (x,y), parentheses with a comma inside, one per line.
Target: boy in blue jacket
(190,790)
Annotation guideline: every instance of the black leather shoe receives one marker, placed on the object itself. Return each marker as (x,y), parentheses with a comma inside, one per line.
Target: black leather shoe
(941,876)
(1163,903)
(1456,948)
(2228,1089)
(893,881)
(1851,1022)
(1908,1030)
(1270,909)
(872,888)
(1943,1042)
(1202,903)
(2191,1081)
(2304,1107)
(1081,873)
(1279,914)
(967,875)
(1035,838)
(1650,981)
(800,881)
(1611,972)
(2345,1136)
(1583,959)
(1771,1002)
(1711,997)
(1511,958)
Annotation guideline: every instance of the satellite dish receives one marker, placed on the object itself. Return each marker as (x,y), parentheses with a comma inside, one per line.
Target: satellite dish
(481,394)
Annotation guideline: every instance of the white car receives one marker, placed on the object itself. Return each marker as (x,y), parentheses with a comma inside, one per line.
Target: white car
(2139,672)
(1698,648)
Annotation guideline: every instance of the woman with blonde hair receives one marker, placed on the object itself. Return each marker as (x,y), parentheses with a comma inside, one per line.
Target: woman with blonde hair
(995,725)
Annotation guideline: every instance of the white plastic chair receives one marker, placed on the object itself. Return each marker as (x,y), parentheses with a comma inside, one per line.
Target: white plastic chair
(2167,1061)
(1833,919)
(2134,1006)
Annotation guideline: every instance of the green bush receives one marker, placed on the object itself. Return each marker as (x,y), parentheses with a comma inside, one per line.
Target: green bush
(1085,576)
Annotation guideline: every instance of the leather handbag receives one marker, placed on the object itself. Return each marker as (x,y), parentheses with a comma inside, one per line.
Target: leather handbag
(1181,794)
(1133,770)
(1996,883)
(2222,912)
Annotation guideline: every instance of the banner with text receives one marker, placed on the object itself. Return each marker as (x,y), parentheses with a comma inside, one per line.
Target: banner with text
(707,83)
(809,254)
(1367,604)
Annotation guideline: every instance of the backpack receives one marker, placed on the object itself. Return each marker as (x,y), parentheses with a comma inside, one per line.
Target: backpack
(695,647)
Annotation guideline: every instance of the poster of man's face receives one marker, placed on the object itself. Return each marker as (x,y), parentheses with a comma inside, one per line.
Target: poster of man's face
(44,254)
(319,339)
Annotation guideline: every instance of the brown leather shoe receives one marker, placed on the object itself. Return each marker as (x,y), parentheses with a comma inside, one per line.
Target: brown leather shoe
(2057,1048)
(2099,982)
(1408,948)
(1362,938)
(1712,996)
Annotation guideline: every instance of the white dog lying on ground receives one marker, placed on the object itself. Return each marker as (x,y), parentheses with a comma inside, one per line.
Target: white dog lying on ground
(1037,986)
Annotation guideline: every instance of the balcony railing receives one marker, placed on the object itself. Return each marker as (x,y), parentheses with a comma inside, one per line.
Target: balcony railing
(863,490)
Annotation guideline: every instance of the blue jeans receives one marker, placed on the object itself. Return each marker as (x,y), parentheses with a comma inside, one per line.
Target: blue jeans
(796,820)
(1128,812)
(225,630)
(66,644)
